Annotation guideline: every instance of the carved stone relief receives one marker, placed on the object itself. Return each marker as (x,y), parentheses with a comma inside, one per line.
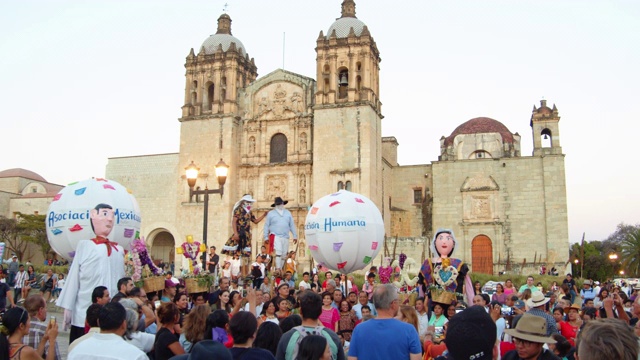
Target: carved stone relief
(276,185)
(480,207)
(303,142)
(279,102)
(252,145)
(303,196)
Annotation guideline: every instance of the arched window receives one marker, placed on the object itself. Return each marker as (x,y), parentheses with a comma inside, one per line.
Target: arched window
(343,83)
(480,154)
(358,82)
(194,93)
(546,138)
(278,153)
(210,96)
(340,185)
(348,186)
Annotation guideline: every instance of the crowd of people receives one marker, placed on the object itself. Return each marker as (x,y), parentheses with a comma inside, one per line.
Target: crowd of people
(334,319)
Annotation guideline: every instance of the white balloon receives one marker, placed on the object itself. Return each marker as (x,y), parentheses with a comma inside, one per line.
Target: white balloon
(69,215)
(344,231)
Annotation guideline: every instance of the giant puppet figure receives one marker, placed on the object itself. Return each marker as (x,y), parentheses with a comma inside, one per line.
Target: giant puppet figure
(98,261)
(444,272)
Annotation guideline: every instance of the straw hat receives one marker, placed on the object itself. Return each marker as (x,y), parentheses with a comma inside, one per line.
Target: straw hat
(573,306)
(537,299)
(531,328)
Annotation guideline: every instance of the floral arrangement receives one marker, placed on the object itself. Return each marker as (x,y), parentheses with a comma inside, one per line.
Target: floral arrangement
(140,257)
(407,283)
(202,278)
(190,249)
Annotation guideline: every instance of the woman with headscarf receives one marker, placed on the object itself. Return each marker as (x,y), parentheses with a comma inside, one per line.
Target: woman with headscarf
(443,271)
(240,241)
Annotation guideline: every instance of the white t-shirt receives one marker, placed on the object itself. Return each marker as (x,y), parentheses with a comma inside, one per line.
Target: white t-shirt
(304,285)
(106,347)
(235,267)
(142,341)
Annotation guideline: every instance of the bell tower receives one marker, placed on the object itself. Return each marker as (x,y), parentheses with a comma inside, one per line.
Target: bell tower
(214,75)
(545,129)
(347,114)
(210,125)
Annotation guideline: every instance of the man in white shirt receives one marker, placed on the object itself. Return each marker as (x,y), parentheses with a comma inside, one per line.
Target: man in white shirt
(259,303)
(21,277)
(108,344)
(304,284)
(93,311)
(279,224)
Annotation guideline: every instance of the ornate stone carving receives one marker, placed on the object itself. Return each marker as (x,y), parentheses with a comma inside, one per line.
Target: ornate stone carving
(297,103)
(279,104)
(303,196)
(303,142)
(303,181)
(480,207)
(252,145)
(276,185)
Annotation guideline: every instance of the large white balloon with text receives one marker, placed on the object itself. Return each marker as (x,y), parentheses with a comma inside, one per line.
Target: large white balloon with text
(344,231)
(113,211)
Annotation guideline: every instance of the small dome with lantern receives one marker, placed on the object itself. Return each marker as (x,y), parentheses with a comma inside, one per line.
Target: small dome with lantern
(342,26)
(223,38)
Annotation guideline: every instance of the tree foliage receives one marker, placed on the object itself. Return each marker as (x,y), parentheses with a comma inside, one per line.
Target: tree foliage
(32,229)
(10,235)
(631,251)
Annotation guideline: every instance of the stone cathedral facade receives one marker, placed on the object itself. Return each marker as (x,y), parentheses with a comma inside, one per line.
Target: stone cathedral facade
(288,135)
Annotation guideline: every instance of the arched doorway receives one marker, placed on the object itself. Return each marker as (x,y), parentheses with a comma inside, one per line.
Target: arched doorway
(163,247)
(482,255)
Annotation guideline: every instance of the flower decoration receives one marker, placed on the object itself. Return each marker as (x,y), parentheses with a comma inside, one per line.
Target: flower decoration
(140,257)
(190,249)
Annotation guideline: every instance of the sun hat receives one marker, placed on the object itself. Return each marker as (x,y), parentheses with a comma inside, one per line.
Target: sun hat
(471,334)
(248,198)
(537,299)
(531,328)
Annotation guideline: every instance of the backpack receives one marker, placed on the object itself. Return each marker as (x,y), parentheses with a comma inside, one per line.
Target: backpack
(301,332)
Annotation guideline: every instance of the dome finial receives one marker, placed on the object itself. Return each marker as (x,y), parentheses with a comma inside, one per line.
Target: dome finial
(348,8)
(224,24)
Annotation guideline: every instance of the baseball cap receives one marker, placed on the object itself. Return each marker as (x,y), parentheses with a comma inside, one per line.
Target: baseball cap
(168,283)
(471,334)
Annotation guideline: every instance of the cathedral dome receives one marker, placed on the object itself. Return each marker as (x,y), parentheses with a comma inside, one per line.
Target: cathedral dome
(223,38)
(17,172)
(348,20)
(481,125)
(343,25)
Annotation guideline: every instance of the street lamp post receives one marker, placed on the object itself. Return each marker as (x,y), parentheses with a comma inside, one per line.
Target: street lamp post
(613,257)
(192,170)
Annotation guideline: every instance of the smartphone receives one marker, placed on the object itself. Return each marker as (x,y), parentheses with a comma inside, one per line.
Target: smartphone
(52,320)
(438,332)
(157,304)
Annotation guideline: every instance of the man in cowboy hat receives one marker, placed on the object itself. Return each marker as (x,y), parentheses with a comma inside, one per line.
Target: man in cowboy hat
(536,307)
(279,224)
(529,336)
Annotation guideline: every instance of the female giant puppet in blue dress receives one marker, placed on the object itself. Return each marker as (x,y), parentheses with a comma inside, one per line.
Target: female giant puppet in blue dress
(442,270)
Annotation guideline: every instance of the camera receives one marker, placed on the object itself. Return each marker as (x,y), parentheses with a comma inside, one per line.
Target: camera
(506,310)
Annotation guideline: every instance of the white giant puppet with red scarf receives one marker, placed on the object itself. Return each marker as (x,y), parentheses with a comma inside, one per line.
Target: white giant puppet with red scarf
(91,223)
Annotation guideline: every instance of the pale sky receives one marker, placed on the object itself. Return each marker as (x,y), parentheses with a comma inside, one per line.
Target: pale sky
(82,81)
